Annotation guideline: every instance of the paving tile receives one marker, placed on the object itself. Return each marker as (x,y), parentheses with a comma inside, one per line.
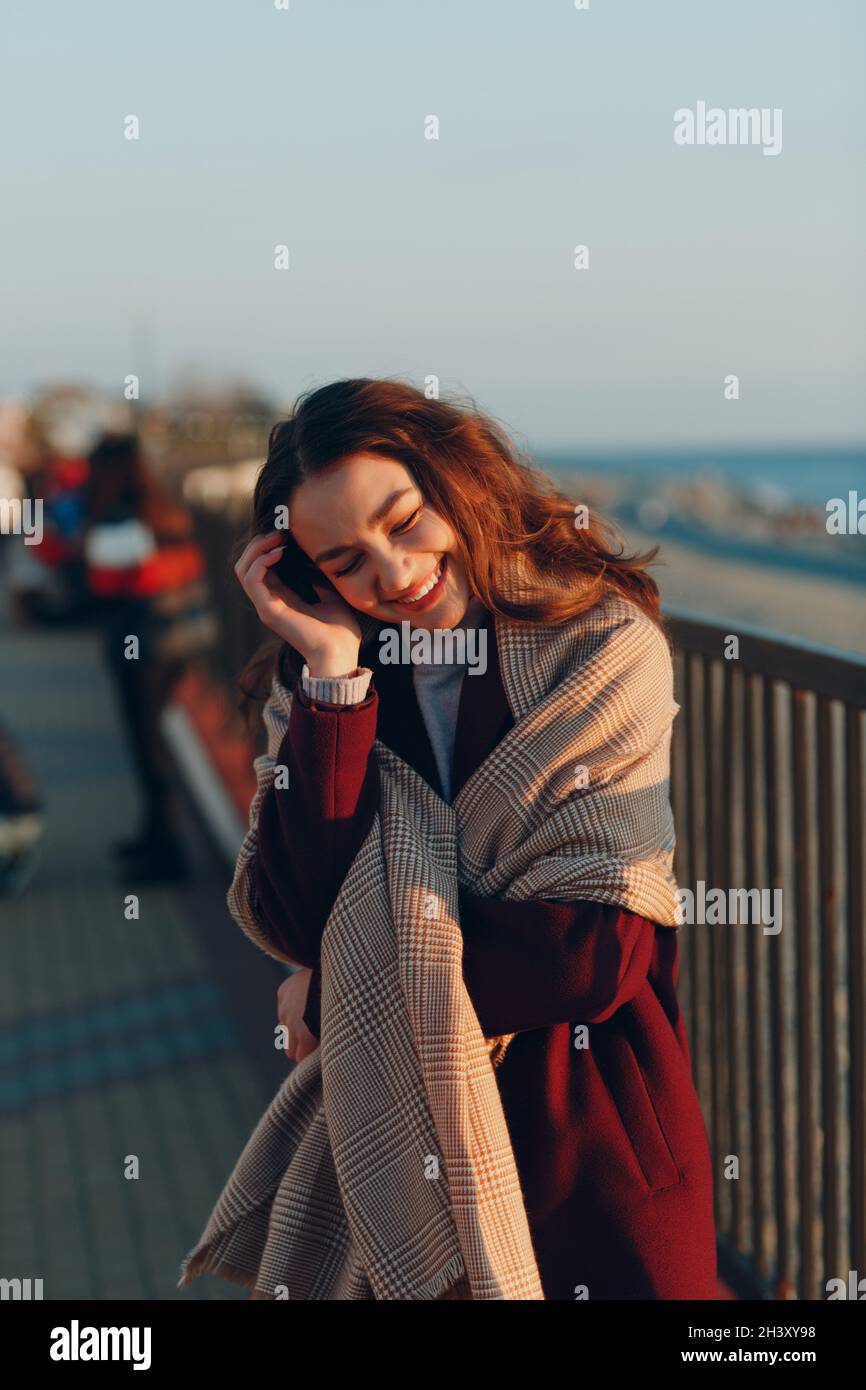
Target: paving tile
(117,1037)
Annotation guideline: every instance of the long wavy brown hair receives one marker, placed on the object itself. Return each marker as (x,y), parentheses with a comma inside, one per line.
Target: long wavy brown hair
(471,473)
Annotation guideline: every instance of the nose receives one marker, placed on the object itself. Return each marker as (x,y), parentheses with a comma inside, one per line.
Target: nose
(395,574)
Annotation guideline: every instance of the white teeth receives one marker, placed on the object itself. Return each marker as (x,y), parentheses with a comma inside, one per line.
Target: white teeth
(433,580)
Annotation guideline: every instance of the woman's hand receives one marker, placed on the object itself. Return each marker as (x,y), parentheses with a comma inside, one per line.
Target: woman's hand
(291,1003)
(327,634)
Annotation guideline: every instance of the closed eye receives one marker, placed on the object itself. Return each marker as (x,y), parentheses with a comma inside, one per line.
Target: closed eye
(403,526)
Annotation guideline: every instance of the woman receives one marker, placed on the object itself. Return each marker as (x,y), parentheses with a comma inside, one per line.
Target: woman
(405,514)
(146,574)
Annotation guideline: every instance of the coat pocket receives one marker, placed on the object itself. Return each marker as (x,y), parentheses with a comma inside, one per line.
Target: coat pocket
(631,1093)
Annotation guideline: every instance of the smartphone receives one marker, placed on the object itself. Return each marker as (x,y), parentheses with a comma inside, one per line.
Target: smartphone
(297,572)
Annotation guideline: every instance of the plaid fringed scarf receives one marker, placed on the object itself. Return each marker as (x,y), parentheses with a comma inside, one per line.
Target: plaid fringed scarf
(383,1166)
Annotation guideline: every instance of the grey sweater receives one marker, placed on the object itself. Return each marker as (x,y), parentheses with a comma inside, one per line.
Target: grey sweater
(437,689)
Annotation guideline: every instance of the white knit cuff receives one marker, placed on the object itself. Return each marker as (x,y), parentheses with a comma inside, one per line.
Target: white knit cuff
(350,689)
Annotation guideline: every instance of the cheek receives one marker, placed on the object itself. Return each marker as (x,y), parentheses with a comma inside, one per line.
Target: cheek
(435,535)
(357,590)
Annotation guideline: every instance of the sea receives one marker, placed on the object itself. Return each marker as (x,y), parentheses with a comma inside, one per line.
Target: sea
(800,475)
(773,478)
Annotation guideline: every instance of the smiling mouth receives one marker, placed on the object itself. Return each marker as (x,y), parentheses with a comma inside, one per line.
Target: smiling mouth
(428,590)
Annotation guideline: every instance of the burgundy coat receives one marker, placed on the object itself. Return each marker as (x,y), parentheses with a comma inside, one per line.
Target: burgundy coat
(609,1140)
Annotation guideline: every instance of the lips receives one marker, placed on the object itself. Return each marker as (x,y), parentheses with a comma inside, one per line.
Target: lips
(427,592)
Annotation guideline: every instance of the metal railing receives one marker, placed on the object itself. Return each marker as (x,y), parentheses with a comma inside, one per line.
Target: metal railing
(767,785)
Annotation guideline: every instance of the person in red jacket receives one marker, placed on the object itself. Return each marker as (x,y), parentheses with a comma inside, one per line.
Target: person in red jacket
(398,507)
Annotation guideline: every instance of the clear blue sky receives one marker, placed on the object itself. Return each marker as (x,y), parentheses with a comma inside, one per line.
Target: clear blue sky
(454,257)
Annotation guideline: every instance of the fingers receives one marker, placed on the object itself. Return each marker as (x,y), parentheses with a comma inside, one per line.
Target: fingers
(284,1001)
(255,575)
(259,545)
(270,597)
(300,1042)
(307,1044)
(268,594)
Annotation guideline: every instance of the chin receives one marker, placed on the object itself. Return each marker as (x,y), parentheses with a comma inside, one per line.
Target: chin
(449,614)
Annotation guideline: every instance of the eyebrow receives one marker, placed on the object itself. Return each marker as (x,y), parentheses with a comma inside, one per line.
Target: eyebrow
(377,516)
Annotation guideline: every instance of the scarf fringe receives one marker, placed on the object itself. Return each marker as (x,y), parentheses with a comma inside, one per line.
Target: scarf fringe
(498,1047)
(451,1283)
(206,1261)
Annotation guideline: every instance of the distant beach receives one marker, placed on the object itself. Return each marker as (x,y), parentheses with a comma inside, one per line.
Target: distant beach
(742,536)
(828,611)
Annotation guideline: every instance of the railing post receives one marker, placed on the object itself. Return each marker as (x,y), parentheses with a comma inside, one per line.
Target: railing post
(806,1054)
(856,948)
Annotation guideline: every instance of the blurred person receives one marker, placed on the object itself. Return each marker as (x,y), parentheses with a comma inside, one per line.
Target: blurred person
(33,586)
(145,571)
(12,546)
(22,818)
(456,857)
(47,579)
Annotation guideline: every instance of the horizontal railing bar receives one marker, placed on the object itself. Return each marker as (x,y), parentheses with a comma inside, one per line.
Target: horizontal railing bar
(835,674)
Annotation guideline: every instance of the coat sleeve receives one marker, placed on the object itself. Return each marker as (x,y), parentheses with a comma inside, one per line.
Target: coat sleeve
(305,825)
(532,964)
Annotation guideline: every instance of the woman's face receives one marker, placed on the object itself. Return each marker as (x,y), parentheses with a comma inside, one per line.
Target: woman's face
(366,525)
